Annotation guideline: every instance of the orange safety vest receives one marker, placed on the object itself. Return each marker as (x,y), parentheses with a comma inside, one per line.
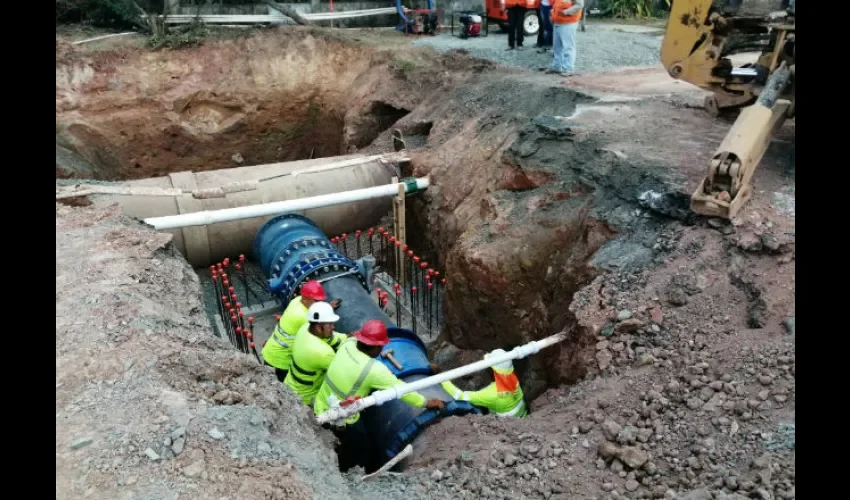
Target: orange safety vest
(558,18)
(529,4)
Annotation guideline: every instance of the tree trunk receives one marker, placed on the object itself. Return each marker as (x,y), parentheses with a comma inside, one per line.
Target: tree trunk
(289,11)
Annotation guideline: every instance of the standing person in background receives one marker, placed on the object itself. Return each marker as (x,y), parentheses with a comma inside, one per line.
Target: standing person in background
(565,18)
(544,34)
(516,13)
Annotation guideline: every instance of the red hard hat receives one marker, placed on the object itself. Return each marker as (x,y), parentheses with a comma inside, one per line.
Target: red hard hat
(374,332)
(313,290)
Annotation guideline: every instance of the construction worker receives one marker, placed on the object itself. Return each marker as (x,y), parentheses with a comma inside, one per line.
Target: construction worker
(355,373)
(277,352)
(502,397)
(565,17)
(313,349)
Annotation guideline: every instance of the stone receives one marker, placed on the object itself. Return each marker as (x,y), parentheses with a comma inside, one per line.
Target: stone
(699,494)
(611,429)
(178,432)
(608,450)
(604,359)
(585,427)
(608,487)
(436,475)
(81,442)
(510,459)
(628,326)
(656,316)
(646,360)
(632,485)
(607,330)
(633,457)
(626,436)
(195,468)
(215,434)
(617,466)
(264,448)
(790,325)
(178,445)
(151,454)
(624,315)
(694,403)
(749,242)
(602,344)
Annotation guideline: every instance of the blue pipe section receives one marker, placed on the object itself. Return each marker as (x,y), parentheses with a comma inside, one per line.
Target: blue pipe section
(400,10)
(290,250)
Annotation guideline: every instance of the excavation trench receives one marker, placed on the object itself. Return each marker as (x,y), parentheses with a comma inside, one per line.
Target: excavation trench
(513,232)
(135,115)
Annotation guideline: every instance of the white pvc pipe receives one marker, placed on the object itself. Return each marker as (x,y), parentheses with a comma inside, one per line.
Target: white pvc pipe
(279,207)
(338,414)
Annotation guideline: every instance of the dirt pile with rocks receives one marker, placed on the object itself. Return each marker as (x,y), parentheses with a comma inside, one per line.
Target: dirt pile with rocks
(690,392)
(149,404)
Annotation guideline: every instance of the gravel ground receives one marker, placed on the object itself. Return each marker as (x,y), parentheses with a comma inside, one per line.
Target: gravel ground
(600,47)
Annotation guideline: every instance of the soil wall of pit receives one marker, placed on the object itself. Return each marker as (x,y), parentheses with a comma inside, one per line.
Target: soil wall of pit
(285,94)
(523,197)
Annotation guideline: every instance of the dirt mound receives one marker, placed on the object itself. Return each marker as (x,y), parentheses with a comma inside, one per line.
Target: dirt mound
(150,405)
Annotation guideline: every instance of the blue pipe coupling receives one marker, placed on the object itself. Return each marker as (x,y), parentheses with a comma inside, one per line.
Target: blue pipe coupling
(291,250)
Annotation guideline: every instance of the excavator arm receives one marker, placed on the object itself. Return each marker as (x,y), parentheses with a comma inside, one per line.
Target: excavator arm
(700,38)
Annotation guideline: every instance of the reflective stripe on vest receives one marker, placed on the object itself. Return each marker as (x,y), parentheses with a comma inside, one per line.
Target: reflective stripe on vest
(335,343)
(293,367)
(360,379)
(520,407)
(281,336)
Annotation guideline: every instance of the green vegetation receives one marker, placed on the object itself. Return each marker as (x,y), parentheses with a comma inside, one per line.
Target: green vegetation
(629,9)
(402,65)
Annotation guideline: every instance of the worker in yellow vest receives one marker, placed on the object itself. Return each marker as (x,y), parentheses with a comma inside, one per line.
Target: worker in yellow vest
(277,352)
(312,351)
(355,373)
(503,397)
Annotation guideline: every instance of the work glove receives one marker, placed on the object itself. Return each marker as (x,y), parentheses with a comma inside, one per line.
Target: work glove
(435,368)
(435,404)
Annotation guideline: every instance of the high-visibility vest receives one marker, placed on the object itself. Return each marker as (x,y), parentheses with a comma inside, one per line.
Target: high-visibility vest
(503,404)
(311,357)
(278,350)
(561,5)
(353,373)
(529,4)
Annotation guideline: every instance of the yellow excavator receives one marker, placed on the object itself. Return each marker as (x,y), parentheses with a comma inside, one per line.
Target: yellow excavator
(700,38)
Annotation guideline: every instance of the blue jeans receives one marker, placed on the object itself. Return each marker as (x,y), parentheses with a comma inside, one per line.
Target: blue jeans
(545,39)
(564,47)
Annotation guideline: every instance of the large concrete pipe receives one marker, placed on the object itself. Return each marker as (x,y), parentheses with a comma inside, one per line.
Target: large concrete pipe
(205,245)
(291,249)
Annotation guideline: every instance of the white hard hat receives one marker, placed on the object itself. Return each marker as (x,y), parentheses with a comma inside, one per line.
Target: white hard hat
(504,365)
(321,312)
